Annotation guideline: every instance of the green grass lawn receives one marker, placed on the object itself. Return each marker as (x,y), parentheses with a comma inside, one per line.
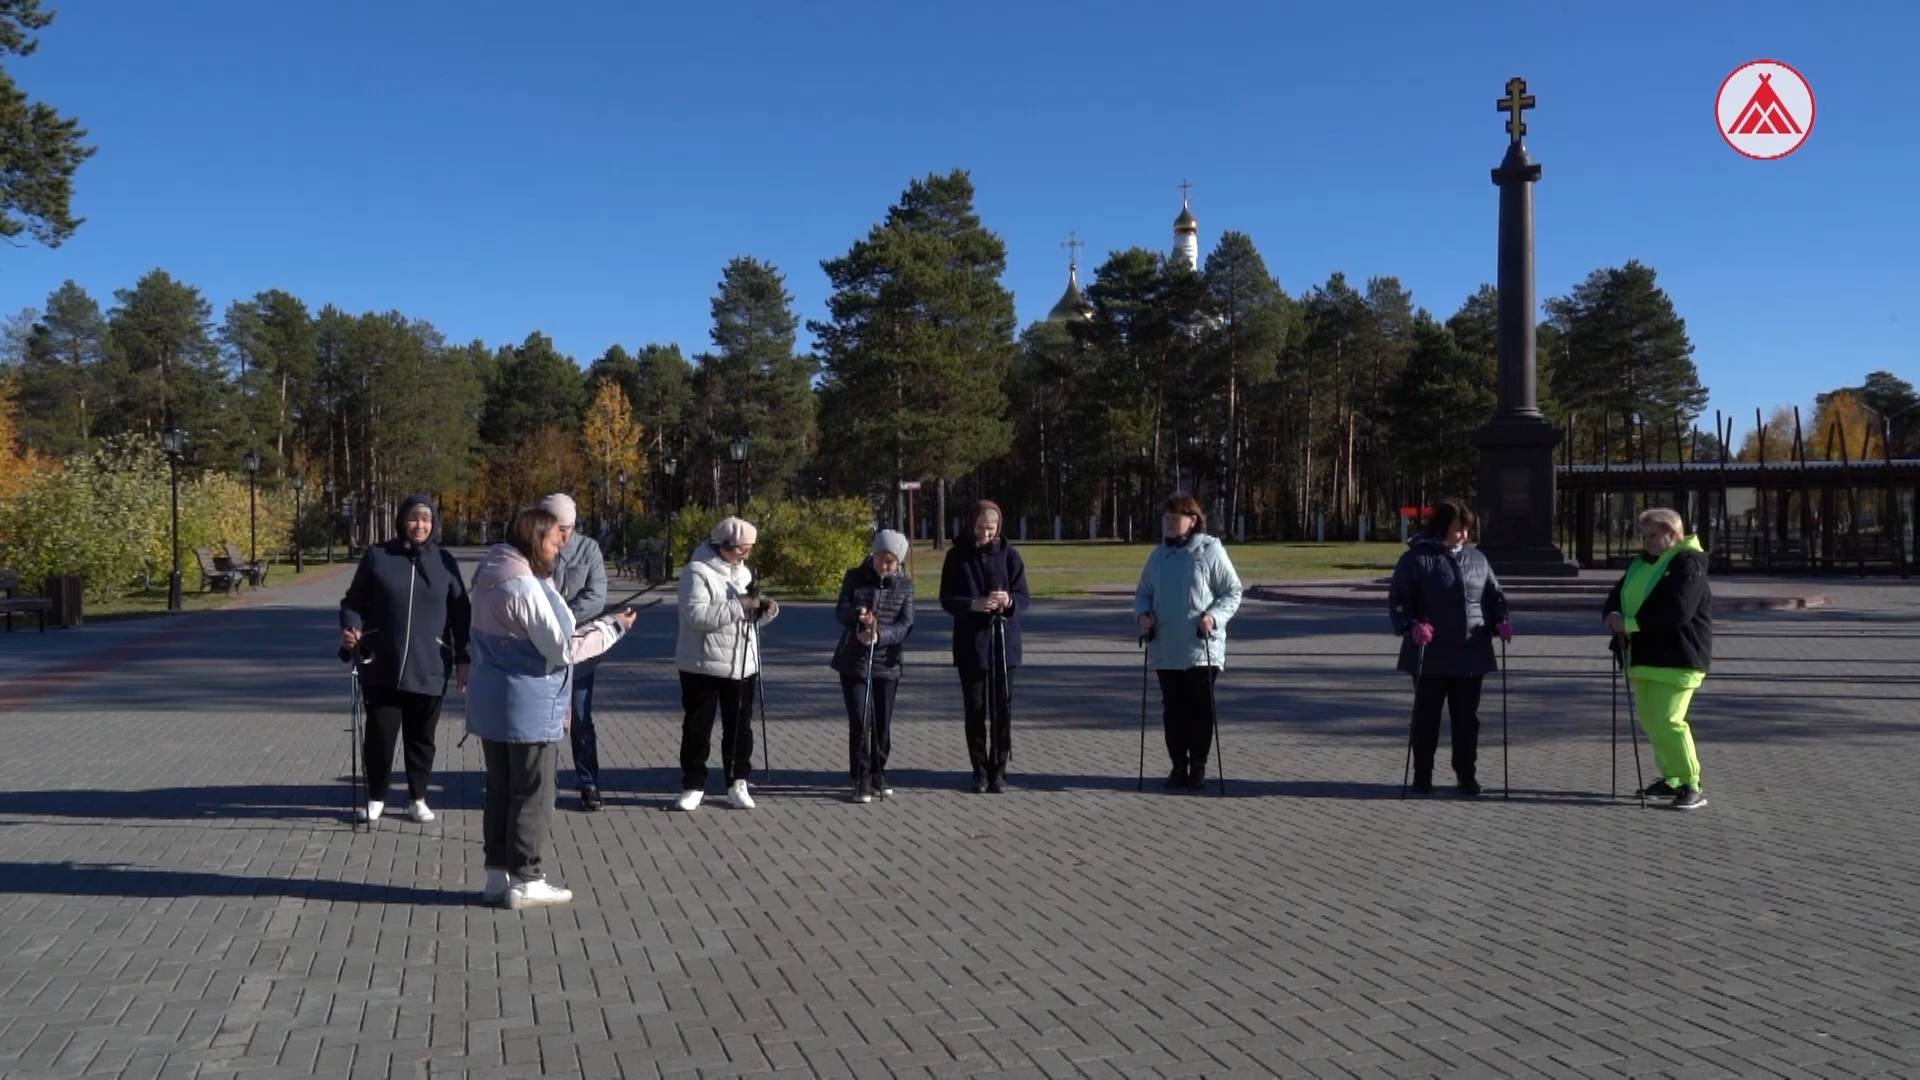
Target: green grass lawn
(1071,568)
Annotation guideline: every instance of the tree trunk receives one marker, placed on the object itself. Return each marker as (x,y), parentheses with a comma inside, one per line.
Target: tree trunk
(940,515)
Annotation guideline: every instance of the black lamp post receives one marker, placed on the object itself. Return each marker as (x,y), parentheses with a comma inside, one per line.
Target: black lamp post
(620,509)
(670,466)
(299,559)
(174,442)
(252,461)
(325,509)
(738,451)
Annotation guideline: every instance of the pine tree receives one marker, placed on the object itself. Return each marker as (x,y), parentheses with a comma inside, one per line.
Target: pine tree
(1625,351)
(758,385)
(61,373)
(271,341)
(1438,399)
(39,149)
(162,360)
(534,386)
(1252,313)
(919,342)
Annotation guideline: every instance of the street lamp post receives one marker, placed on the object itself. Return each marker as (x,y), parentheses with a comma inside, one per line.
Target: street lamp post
(670,466)
(620,509)
(174,442)
(299,560)
(252,461)
(325,509)
(739,453)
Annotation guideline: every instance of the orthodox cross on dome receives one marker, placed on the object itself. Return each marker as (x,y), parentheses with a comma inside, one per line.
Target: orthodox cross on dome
(1185,187)
(1516,102)
(1073,245)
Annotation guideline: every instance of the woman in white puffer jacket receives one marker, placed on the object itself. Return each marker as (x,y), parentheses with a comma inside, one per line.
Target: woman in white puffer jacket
(718,655)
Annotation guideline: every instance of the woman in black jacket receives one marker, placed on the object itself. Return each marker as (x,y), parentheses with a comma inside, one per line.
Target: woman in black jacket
(1446,604)
(408,607)
(1661,617)
(876,615)
(983,585)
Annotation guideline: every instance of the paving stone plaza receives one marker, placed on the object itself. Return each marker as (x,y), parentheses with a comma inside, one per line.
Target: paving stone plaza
(181,896)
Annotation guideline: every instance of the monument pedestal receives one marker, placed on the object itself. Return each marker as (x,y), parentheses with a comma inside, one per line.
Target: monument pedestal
(1517,482)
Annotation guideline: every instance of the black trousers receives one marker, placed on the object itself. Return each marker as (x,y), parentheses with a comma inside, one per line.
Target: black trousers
(973,693)
(391,713)
(701,696)
(1186,711)
(854,689)
(519,806)
(1461,695)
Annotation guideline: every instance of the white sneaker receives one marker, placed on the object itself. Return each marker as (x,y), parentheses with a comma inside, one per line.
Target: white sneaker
(497,885)
(372,812)
(689,800)
(420,812)
(885,792)
(862,797)
(536,893)
(737,794)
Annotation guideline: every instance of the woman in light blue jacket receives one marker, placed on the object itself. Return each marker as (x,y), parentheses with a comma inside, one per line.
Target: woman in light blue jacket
(1188,591)
(524,645)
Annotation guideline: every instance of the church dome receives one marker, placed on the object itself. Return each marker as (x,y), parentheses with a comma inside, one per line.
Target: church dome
(1186,222)
(1073,304)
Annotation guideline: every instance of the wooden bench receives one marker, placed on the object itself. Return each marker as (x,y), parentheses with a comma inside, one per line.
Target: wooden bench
(214,576)
(9,603)
(256,571)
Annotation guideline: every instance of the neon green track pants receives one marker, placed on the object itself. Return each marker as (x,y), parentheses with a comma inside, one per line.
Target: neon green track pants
(1663,716)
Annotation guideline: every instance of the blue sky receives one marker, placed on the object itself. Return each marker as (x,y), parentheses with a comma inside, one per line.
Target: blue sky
(587,170)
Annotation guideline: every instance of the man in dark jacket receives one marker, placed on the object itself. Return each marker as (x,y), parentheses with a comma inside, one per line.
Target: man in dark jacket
(983,585)
(875,613)
(406,612)
(1447,606)
(580,577)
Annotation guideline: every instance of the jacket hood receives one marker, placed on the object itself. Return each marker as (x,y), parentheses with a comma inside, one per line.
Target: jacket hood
(501,563)
(406,506)
(1429,545)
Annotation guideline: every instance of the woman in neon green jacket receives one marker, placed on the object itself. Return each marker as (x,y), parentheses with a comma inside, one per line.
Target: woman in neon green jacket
(1662,611)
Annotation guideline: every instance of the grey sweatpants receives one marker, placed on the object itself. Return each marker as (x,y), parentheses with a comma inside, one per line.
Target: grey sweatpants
(519,808)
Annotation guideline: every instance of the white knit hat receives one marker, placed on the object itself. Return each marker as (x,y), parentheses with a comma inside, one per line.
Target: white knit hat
(561,507)
(733,532)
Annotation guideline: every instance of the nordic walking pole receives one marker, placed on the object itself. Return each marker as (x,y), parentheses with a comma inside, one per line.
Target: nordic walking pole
(1506,779)
(1613,785)
(1413,723)
(353,751)
(1633,719)
(1145,659)
(760,690)
(1213,706)
(867,709)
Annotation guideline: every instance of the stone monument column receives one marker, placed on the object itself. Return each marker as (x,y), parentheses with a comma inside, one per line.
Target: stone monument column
(1516,476)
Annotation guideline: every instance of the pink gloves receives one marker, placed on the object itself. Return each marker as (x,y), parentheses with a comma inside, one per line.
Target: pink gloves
(1505,630)
(1421,633)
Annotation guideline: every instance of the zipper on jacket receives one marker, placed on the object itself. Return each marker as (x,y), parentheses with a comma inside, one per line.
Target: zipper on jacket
(406,643)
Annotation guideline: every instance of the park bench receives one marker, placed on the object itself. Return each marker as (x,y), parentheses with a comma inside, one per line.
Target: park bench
(214,576)
(256,571)
(9,603)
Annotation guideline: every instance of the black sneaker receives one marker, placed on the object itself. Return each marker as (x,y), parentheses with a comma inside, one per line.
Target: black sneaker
(1468,787)
(979,781)
(1422,786)
(1177,778)
(996,781)
(1689,798)
(590,798)
(1659,789)
(1197,778)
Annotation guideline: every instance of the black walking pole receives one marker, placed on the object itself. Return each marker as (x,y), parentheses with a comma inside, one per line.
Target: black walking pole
(1413,724)
(1613,784)
(760,691)
(1506,779)
(1145,659)
(357,805)
(1633,719)
(867,717)
(1213,709)
(736,663)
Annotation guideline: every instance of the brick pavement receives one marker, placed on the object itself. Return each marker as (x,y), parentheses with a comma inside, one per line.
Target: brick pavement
(180,896)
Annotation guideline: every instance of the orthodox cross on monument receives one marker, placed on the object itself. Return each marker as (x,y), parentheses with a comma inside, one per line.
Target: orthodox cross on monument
(1516,102)
(1073,245)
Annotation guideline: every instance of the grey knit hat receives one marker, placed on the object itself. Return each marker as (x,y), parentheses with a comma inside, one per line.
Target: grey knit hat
(891,542)
(733,532)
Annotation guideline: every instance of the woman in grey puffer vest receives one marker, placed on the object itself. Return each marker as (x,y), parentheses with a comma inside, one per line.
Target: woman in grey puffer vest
(876,615)
(1446,605)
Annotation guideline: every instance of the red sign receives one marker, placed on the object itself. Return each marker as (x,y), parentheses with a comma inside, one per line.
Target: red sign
(1764,109)
(1416,511)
